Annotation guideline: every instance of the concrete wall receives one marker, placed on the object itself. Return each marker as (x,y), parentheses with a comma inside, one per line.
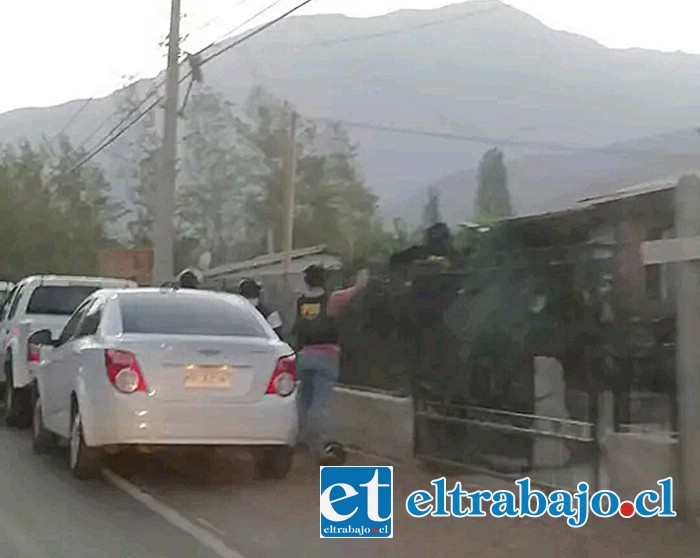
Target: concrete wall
(635,462)
(373,422)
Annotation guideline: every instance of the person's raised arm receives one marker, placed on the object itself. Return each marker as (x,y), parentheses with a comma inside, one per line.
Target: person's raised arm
(339,300)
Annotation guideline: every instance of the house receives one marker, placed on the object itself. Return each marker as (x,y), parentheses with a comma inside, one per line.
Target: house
(619,222)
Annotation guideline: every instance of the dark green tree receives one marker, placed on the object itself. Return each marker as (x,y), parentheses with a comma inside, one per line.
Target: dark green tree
(221,170)
(138,164)
(54,217)
(492,201)
(333,205)
(431,211)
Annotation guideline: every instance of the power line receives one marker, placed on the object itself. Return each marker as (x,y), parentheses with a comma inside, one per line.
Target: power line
(555,146)
(107,140)
(509,142)
(255,32)
(153,91)
(72,119)
(211,21)
(238,27)
(400,29)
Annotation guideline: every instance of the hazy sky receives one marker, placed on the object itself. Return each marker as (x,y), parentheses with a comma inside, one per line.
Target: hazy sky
(58,50)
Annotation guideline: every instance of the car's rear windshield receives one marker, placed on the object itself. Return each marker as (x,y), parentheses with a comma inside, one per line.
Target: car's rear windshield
(172,314)
(60,301)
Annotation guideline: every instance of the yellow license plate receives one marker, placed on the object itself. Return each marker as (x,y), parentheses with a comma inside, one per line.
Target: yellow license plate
(205,377)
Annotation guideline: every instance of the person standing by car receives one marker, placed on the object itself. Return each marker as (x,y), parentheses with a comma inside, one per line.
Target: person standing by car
(250,289)
(188,279)
(318,355)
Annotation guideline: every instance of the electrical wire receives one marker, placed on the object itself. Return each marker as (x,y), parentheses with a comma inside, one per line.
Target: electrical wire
(110,140)
(508,142)
(113,135)
(238,27)
(400,29)
(134,110)
(255,32)
(72,119)
(210,22)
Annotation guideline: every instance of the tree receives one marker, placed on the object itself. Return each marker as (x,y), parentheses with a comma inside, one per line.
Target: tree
(139,149)
(492,196)
(431,212)
(53,216)
(222,171)
(268,131)
(84,202)
(333,206)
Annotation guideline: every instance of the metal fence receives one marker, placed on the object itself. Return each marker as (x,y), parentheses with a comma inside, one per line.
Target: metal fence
(500,379)
(468,343)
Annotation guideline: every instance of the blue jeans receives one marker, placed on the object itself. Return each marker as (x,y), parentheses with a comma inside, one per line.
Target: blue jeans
(318,374)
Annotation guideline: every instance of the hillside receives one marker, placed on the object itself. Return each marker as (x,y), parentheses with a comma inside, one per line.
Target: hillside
(479,68)
(544,183)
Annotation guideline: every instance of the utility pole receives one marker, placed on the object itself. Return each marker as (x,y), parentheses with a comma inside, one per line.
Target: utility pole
(684,252)
(289,195)
(687,347)
(164,225)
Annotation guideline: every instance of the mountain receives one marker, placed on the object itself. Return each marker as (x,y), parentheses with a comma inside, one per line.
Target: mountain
(543,183)
(479,69)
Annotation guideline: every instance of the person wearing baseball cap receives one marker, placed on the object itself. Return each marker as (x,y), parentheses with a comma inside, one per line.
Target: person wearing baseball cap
(250,289)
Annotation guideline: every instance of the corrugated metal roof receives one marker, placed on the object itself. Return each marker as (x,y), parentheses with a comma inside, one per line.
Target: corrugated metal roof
(584,204)
(631,191)
(264,261)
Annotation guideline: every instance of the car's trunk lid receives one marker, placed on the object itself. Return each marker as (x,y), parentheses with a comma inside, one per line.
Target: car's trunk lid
(204,369)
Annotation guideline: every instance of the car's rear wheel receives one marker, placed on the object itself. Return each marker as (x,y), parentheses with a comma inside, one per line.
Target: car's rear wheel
(18,402)
(84,462)
(273,463)
(43,441)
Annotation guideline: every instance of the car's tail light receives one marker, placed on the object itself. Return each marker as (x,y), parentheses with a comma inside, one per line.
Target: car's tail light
(124,372)
(33,352)
(284,377)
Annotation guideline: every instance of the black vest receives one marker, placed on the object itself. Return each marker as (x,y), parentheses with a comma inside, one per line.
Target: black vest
(313,324)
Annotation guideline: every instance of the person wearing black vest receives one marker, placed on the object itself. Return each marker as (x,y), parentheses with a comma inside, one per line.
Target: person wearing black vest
(251,289)
(318,355)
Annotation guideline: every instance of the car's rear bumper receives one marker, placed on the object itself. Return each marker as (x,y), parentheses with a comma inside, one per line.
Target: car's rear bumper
(138,419)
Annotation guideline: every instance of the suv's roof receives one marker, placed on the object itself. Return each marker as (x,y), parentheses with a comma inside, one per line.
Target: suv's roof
(76,280)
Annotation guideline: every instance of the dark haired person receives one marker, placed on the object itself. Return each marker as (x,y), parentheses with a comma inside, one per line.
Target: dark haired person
(318,354)
(188,279)
(250,289)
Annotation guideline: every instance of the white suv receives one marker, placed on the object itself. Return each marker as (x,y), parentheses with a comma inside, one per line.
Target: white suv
(36,303)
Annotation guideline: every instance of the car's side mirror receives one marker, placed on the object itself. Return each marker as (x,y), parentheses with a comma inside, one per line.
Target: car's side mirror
(42,337)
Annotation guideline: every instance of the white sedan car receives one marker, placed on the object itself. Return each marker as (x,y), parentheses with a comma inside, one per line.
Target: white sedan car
(149,368)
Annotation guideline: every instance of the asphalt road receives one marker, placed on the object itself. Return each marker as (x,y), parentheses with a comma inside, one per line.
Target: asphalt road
(190,508)
(46,513)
